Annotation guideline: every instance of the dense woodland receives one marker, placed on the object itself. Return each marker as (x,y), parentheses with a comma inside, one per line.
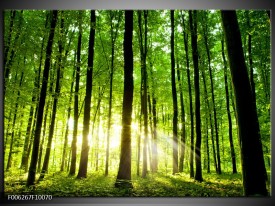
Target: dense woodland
(137,103)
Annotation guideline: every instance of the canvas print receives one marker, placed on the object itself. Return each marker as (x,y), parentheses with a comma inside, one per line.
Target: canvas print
(136,103)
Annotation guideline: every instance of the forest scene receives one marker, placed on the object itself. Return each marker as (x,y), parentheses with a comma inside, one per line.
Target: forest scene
(137,103)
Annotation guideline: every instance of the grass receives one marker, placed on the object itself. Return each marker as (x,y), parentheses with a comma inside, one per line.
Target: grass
(154,185)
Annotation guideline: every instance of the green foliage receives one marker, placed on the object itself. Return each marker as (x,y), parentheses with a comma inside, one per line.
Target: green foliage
(154,185)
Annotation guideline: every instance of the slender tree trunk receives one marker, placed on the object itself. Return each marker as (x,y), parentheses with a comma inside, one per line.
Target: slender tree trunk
(185,36)
(25,156)
(13,124)
(124,171)
(65,145)
(43,137)
(32,168)
(150,141)
(249,131)
(154,123)
(27,138)
(7,132)
(139,137)
(183,132)
(97,114)
(154,143)
(97,146)
(232,150)
(64,152)
(207,146)
(76,115)
(47,113)
(55,102)
(210,119)
(32,118)
(82,173)
(205,31)
(110,105)
(35,99)
(195,54)
(174,96)
(145,100)
(31,121)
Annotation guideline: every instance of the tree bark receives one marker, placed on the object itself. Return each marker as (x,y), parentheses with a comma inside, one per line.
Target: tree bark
(195,54)
(124,171)
(82,173)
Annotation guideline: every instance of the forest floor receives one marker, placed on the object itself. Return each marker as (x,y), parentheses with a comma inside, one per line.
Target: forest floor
(154,185)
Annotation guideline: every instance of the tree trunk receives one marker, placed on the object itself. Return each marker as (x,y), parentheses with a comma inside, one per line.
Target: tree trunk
(195,54)
(185,36)
(13,124)
(55,102)
(154,122)
(253,168)
(76,115)
(144,95)
(154,143)
(64,152)
(183,132)
(82,173)
(205,31)
(43,137)
(174,96)
(124,171)
(210,119)
(233,155)
(139,138)
(31,121)
(32,168)
(207,146)
(113,41)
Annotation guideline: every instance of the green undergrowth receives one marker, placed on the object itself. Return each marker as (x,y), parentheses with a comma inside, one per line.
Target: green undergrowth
(154,185)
